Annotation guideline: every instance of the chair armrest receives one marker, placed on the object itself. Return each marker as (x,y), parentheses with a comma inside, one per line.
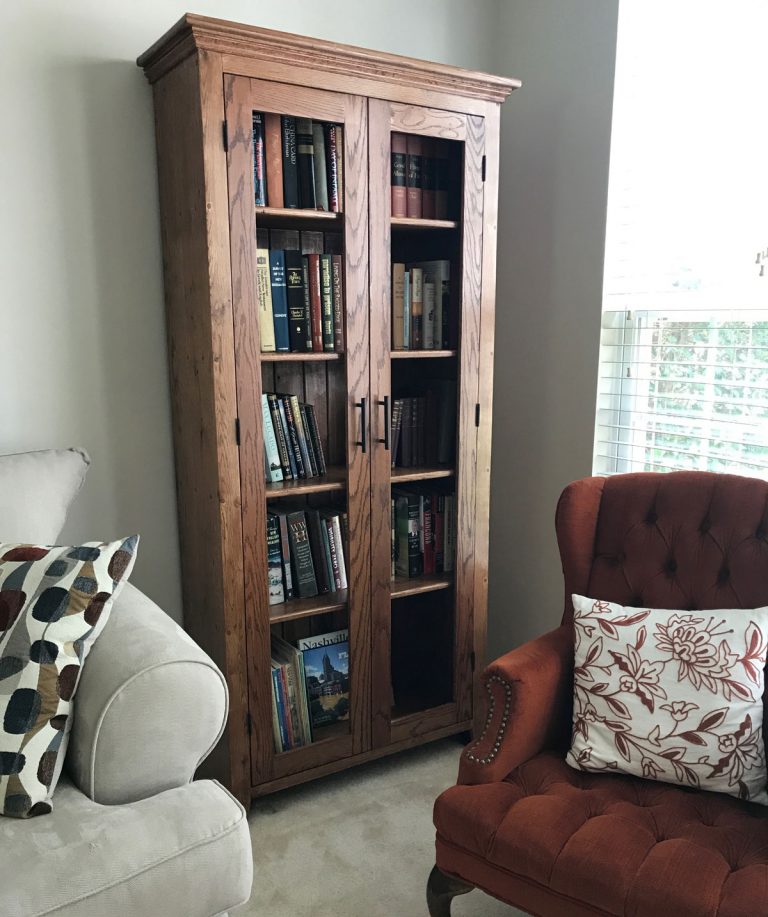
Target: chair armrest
(149,708)
(529,707)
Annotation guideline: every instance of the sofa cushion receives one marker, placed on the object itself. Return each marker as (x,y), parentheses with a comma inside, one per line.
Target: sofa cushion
(36,490)
(618,844)
(183,853)
(54,602)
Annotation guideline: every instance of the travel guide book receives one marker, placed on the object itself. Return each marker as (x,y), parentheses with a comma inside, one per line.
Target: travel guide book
(326,674)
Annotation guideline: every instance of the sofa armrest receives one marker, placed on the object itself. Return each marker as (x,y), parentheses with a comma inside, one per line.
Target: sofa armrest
(149,708)
(529,707)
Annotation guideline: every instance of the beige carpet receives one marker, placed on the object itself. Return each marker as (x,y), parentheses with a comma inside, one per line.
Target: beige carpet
(359,844)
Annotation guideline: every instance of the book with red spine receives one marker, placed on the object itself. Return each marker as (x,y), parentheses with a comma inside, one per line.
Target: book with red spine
(332,150)
(315,302)
(413,176)
(397,179)
(273,145)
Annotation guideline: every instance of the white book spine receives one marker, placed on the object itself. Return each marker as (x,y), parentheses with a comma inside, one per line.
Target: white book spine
(407,311)
(340,552)
(274,468)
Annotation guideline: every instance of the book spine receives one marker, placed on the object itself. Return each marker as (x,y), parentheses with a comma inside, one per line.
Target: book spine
(393,537)
(397,180)
(285,551)
(327,553)
(305,705)
(264,295)
(287,708)
(333,552)
(339,541)
(420,458)
(290,167)
(315,302)
(279,300)
(274,562)
(398,306)
(274,159)
(441,184)
(305,158)
(293,436)
(298,318)
(281,736)
(300,433)
(282,442)
(406,434)
(318,162)
(301,552)
(439,516)
(271,453)
(259,160)
(428,177)
(288,441)
(449,533)
(409,558)
(407,311)
(337,267)
(429,535)
(429,314)
(326,299)
(397,416)
(315,525)
(313,464)
(294,699)
(340,162)
(332,167)
(314,433)
(307,301)
(413,176)
(417,308)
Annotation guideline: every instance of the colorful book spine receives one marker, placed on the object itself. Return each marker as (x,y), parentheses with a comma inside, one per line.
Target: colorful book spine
(290,166)
(293,436)
(417,308)
(264,296)
(298,320)
(293,401)
(293,448)
(282,441)
(398,173)
(305,158)
(272,456)
(398,306)
(318,162)
(305,583)
(274,159)
(326,301)
(315,301)
(259,160)
(413,176)
(332,166)
(274,561)
(337,267)
(279,300)
(285,552)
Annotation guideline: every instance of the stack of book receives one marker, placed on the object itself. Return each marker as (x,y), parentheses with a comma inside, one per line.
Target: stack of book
(424,427)
(305,553)
(292,445)
(419,177)
(297,163)
(300,292)
(423,532)
(421,305)
(310,687)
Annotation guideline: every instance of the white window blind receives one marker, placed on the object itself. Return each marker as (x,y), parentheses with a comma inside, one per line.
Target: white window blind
(683,390)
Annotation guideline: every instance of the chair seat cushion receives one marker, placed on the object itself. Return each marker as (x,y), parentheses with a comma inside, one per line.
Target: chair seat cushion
(612,844)
(183,853)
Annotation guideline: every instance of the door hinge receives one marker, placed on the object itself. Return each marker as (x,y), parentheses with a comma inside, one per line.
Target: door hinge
(477,415)
(225,139)
(237,430)
(249,723)
(483,167)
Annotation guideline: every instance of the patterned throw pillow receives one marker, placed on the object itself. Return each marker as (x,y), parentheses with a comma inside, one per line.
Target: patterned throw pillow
(54,602)
(671,695)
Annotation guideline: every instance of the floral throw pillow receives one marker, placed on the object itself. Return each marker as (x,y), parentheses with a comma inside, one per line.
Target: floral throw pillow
(671,695)
(54,602)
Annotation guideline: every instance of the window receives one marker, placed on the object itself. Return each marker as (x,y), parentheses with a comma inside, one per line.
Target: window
(683,377)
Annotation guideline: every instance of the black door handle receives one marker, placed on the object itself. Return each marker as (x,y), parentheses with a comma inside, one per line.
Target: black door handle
(385,405)
(363,424)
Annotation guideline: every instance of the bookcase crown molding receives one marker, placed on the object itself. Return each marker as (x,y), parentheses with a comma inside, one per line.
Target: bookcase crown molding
(203,33)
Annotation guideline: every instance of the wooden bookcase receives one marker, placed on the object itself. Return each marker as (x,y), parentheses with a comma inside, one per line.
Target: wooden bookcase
(416,645)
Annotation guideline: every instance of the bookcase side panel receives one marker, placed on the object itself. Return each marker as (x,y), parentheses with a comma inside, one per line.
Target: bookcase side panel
(195,236)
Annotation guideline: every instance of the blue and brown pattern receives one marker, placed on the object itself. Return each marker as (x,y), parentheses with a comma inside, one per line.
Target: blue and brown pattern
(54,601)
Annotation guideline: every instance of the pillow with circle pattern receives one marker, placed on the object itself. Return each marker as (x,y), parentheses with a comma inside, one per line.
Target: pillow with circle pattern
(54,602)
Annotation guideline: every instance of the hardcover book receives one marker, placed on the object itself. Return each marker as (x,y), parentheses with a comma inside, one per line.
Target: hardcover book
(290,167)
(297,316)
(321,175)
(285,551)
(274,561)
(274,159)
(279,300)
(398,306)
(326,671)
(286,415)
(442,181)
(313,463)
(305,157)
(314,526)
(314,433)
(417,308)
(282,440)
(409,557)
(271,453)
(315,301)
(326,300)
(397,180)
(413,176)
(338,302)
(264,295)
(259,161)
(305,583)
(428,178)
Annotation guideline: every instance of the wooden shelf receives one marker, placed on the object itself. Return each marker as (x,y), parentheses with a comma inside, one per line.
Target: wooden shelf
(414,585)
(334,479)
(412,223)
(282,216)
(294,609)
(400,475)
(420,354)
(299,357)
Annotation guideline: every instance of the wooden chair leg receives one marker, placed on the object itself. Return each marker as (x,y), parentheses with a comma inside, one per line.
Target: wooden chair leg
(441,890)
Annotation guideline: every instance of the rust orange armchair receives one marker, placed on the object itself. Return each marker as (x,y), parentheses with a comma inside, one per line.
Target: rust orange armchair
(529,830)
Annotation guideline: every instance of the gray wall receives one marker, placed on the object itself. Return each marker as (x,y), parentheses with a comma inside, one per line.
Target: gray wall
(554,178)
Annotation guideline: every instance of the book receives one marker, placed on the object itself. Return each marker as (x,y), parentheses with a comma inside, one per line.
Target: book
(406,434)
(326,668)
(314,432)
(314,526)
(259,160)
(315,301)
(409,557)
(413,176)
(428,177)
(393,537)
(264,296)
(279,300)
(305,158)
(332,155)
(337,551)
(310,446)
(428,533)
(285,555)
(286,415)
(439,273)
(305,273)
(398,306)
(397,416)
(273,155)
(429,312)
(271,454)
(274,561)
(280,436)
(290,164)
(326,301)
(279,726)
(417,308)
(297,315)
(449,533)
(442,181)
(407,311)
(340,163)
(337,268)
(397,180)
(289,659)
(327,553)
(318,162)
(301,435)
(439,512)
(305,584)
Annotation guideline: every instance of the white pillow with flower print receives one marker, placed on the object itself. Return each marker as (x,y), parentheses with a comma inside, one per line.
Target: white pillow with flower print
(671,695)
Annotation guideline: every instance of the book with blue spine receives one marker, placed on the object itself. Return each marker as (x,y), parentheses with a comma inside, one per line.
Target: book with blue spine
(279,300)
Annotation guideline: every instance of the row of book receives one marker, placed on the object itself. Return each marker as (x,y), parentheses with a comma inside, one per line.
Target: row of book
(305,553)
(420,177)
(421,305)
(423,530)
(292,445)
(424,427)
(310,687)
(297,163)
(301,301)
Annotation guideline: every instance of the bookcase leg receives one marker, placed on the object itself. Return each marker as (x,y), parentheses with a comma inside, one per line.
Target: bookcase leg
(441,890)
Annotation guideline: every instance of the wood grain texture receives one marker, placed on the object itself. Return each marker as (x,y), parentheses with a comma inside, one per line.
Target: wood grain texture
(195,236)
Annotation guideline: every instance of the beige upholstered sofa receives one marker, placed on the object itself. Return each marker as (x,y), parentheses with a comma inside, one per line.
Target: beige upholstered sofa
(131,833)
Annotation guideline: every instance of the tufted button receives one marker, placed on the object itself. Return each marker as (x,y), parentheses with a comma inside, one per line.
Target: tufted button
(636,601)
(671,566)
(724,574)
(705,526)
(761,530)
(652,517)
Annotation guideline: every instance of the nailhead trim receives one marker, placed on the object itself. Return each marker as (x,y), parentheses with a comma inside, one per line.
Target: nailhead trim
(487,759)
